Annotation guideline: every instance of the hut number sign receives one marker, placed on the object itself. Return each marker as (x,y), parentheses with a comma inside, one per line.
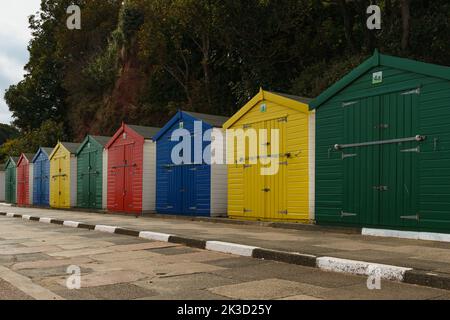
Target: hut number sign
(377,77)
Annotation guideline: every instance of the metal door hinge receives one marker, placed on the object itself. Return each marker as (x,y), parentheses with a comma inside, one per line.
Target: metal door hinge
(415,91)
(265,190)
(348,214)
(283,212)
(435,143)
(414,217)
(247,211)
(416,149)
(381,188)
(350,103)
(381,126)
(192,208)
(193,169)
(349,155)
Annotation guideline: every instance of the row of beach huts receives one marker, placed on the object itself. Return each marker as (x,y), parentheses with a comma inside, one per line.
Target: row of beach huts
(373,151)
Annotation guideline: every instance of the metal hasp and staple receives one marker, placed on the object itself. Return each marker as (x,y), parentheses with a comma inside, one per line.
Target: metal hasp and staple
(348,214)
(417,138)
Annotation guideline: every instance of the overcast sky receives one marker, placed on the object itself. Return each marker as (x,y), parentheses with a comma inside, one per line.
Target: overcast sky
(14,38)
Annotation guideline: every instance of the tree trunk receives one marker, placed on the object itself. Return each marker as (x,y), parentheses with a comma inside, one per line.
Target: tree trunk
(205,65)
(348,25)
(406,17)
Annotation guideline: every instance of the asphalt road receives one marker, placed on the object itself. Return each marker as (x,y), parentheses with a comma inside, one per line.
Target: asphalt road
(35,259)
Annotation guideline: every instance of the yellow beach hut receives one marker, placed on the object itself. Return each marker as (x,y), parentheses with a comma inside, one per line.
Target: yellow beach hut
(284,192)
(63,175)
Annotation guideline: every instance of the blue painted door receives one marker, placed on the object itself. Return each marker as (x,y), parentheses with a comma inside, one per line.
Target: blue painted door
(182,189)
(37,172)
(175,185)
(41,173)
(189,189)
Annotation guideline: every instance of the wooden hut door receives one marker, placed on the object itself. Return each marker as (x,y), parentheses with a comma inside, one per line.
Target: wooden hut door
(118,174)
(189,189)
(21,184)
(93,179)
(63,182)
(254,184)
(399,163)
(8,191)
(275,178)
(130,168)
(361,163)
(37,182)
(58,183)
(381,170)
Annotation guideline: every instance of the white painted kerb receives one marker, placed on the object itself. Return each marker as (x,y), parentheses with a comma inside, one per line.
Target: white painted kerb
(154,236)
(387,272)
(71,224)
(414,235)
(232,248)
(45,220)
(107,229)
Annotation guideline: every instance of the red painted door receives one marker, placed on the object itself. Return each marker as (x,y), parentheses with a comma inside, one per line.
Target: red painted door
(129,168)
(22,183)
(118,175)
(123,172)
(125,156)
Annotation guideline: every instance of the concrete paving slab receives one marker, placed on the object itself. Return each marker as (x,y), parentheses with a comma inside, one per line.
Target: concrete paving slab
(389,290)
(9,292)
(81,252)
(198,281)
(122,291)
(50,263)
(97,279)
(124,256)
(266,289)
(183,268)
(301,297)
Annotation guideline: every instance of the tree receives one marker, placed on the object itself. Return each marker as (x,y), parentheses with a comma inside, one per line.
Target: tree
(47,135)
(405,23)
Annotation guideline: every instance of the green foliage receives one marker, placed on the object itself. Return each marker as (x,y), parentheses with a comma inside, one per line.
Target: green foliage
(101,73)
(309,84)
(131,20)
(47,135)
(141,60)
(7,132)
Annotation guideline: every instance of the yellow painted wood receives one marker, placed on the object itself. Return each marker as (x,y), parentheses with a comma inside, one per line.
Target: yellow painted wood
(288,198)
(60,175)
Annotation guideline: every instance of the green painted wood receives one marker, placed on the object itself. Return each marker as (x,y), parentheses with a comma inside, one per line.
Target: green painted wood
(89,175)
(418,182)
(11,182)
(383,62)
